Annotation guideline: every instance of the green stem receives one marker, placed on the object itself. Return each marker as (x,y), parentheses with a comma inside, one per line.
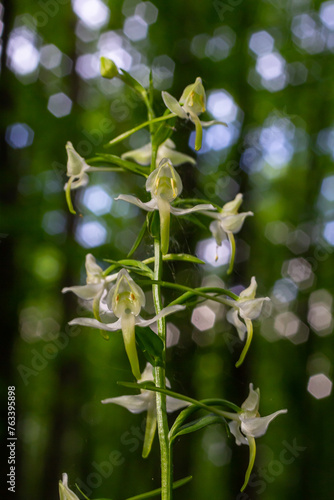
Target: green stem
(139,127)
(159,380)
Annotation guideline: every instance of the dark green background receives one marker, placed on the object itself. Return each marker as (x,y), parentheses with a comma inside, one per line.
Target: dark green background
(61,425)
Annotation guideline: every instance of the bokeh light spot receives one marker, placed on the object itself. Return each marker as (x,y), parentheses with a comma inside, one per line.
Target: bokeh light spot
(19,135)
(59,105)
(320,386)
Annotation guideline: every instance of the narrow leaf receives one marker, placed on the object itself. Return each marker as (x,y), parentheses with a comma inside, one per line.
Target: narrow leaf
(140,236)
(195,291)
(198,424)
(154,493)
(129,80)
(182,257)
(127,134)
(149,386)
(133,265)
(120,162)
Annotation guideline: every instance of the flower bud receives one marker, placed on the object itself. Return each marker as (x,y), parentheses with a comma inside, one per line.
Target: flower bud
(108,68)
(193,97)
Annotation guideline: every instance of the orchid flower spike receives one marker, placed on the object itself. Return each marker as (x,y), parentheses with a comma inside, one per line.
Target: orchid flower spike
(126,299)
(164,184)
(248,425)
(146,401)
(191,104)
(64,491)
(96,284)
(165,150)
(246,308)
(227,223)
(77,170)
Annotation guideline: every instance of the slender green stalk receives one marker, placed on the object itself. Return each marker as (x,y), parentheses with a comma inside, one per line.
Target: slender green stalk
(159,379)
(139,127)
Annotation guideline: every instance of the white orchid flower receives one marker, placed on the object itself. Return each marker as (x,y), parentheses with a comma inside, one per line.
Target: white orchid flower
(165,150)
(248,425)
(246,308)
(64,491)
(77,170)
(191,104)
(146,401)
(126,299)
(227,223)
(164,184)
(96,284)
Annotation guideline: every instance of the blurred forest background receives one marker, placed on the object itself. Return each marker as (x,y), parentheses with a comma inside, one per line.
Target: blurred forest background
(267,66)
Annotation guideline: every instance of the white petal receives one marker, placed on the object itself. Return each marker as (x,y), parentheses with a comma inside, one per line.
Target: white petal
(196,208)
(93,270)
(232,207)
(147,375)
(233,223)
(135,404)
(250,292)
(251,404)
(173,105)
(80,182)
(86,292)
(251,309)
(94,323)
(76,165)
(217,232)
(141,155)
(164,312)
(233,318)
(64,491)
(174,404)
(148,206)
(256,427)
(235,430)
